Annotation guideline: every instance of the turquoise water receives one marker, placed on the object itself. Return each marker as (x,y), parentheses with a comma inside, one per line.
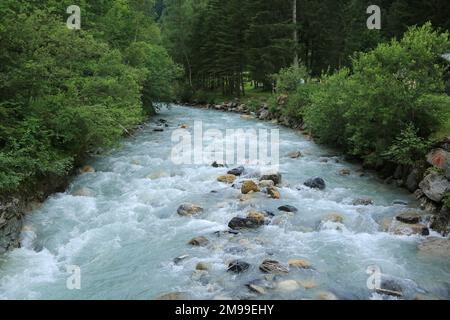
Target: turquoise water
(126,233)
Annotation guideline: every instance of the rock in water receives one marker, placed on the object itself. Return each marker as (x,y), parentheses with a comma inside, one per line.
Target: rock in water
(199,241)
(237,171)
(238,266)
(244,223)
(275,177)
(266,184)
(256,288)
(189,209)
(294,154)
(299,263)
(273,193)
(363,202)
(249,186)
(228,178)
(435,186)
(87,169)
(273,266)
(84,192)
(409,217)
(256,216)
(217,165)
(288,208)
(177,260)
(315,183)
(334,217)
(201,266)
(345,172)
(325,295)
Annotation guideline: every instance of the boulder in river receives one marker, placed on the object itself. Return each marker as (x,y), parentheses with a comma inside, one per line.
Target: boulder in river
(334,217)
(87,169)
(299,263)
(400,228)
(434,186)
(178,259)
(273,193)
(409,217)
(202,266)
(215,164)
(227,178)
(199,241)
(294,154)
(434,246)
(326,295)
(315,183)
(345,172)
(266,184)
(259,217)
(275,177)
(238,223)
(288,208)
(237,171)
(255,288)
(273,267)
(189,209)
(249,186)
(184,126)
(363,202)
(238,266)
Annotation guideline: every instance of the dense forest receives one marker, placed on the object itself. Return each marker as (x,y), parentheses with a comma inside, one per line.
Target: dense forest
(223,43)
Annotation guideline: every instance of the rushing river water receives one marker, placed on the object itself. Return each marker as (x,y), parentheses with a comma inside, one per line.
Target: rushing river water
(125,234)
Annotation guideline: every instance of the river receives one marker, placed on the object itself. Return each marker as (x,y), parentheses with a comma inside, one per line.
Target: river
(125,234)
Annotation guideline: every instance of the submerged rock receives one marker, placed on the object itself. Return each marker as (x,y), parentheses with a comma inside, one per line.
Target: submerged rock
(288,208)
(237,171)
(238,266)
(294,154)
(199,241)
(177,260)
(189,209)
(84,192)
(409,217)
(227,178)
(249,186)
(390,287)
(87,169)
(273,266)
(363,202)
(202,266)
(345,172)
(334,217)
(315,183)
(326,295)
(255,288)
(275,177)
(238,223)
(273,193)
(299,263)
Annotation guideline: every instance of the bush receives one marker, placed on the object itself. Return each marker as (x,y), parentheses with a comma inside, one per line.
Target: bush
(288,79)
(392,87)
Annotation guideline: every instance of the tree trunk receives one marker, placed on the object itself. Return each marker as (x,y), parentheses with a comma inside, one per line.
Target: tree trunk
(294,22)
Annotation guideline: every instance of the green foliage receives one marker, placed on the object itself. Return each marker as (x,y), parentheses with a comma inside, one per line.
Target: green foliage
(66,93)
(396,85)
(446,200)
(289,79)
(407,147)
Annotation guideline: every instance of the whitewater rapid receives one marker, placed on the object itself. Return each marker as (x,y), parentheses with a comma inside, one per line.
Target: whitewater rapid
(124,233)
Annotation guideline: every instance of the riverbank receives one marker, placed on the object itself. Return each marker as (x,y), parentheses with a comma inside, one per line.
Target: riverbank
(429,180)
